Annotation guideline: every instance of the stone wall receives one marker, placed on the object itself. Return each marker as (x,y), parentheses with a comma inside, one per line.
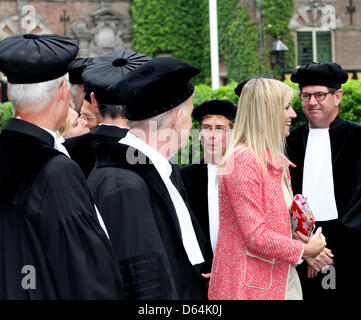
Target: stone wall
(100,26)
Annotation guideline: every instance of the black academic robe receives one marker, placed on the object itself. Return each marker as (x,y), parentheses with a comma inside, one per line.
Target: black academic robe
(51,242)
(195,179)
(80,148)
(143,226)
(343,235)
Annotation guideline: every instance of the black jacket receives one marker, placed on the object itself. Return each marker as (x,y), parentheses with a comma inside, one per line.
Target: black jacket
(343,235)
(80,148)
(195,179)
(48,222)
(143,223)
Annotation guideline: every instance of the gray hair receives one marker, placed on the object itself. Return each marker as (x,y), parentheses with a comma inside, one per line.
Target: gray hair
(34,96)
(160,120)
(113,111)
(74,89)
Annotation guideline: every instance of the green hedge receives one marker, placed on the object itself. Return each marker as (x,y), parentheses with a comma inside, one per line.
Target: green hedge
(5,113)
(350,107)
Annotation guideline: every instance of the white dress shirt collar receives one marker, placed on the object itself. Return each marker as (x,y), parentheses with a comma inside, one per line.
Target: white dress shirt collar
(162,165)
(164,169)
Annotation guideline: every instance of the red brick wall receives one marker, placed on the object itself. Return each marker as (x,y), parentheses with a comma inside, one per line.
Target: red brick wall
(348,48)
(347,38)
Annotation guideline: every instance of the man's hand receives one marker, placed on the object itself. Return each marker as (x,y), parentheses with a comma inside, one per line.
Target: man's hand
(208,277)
(311,273)
(322,261)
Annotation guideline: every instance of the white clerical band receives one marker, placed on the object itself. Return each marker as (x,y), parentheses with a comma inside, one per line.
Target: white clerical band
(318,177)
(164,169)
(213,204)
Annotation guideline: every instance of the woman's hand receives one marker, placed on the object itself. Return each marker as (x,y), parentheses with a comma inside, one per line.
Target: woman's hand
(301,237)
(315,245)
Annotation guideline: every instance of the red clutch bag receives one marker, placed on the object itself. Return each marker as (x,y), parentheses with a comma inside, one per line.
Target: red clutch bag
(302,218)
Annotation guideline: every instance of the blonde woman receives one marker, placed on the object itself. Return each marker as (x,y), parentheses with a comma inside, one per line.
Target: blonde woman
(74,126)
(256,255)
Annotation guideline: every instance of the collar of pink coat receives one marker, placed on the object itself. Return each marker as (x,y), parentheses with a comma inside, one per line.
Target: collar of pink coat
(277,163)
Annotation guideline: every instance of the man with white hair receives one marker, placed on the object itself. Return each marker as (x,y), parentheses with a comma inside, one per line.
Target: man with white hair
(157,239)
(51,245)
(108,121)
(75,70)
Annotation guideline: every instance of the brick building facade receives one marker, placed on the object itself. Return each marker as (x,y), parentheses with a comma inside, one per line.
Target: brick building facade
(100,26)
(323,30)
(335,27)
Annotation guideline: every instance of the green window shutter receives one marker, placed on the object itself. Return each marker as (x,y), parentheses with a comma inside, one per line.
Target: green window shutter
(324,46)
(304,47)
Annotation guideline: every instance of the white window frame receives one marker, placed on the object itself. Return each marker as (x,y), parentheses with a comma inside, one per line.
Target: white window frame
(314,42)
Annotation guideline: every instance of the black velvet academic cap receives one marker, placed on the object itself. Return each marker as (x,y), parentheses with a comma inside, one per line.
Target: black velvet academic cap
(155,87)
(239,88)
(329,74)
(31,58)
(215,107)
(76,68)
(108,69)
(87,91)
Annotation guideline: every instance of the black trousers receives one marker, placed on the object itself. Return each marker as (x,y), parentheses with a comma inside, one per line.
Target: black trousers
(343,279)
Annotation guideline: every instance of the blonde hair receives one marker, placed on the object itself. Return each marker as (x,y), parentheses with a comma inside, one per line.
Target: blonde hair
(260,120)
(65,128)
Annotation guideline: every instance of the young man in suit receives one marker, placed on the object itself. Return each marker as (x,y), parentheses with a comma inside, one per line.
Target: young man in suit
(216,118)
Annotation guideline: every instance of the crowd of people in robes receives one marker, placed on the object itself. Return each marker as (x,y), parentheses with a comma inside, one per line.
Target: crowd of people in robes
(93,206)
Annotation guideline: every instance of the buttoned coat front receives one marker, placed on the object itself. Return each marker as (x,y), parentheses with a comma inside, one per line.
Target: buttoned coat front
(255,246)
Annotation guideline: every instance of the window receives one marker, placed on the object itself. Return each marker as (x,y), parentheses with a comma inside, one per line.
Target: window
(314,45)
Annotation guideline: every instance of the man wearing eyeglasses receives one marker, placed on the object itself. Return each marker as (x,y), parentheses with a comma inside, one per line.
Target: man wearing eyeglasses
(216,118)
(75,70)
(101,109)
(327,153)
(88,112)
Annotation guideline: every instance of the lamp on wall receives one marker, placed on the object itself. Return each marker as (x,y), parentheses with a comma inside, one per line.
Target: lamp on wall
(278,50)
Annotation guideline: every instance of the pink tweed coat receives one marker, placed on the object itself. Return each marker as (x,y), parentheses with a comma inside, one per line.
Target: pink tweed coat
(255,246)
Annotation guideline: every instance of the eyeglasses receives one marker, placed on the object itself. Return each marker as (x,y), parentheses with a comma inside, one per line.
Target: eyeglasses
(217,130)
(319,96)
(85,117)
